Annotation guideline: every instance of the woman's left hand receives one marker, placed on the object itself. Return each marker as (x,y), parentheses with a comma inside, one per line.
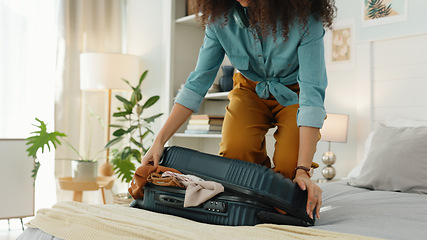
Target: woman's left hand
(314,192)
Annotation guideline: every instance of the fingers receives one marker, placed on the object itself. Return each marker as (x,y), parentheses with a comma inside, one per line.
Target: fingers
(156,159)
(302,185)
(319,205)
(145,161)
(314,200)
(152,156)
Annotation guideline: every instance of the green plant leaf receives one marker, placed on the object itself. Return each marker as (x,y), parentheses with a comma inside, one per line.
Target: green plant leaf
(127,82)
(124,168)
(146,134)
(117,126)
(42,138)
(139,110)
(143,75)
(126,104)
(113,141)
(123,100)
(119,132)
(152,118)
(133,99)
(136,96)
(150,102)
(133,140)
(131,128)
(121,114)
(136,154)
(149,130)
(125,153)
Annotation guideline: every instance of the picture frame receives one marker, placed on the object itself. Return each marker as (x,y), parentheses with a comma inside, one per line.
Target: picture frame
(340,45)
(378,12)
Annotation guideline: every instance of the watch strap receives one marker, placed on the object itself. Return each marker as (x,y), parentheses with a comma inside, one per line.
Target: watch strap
(308,170)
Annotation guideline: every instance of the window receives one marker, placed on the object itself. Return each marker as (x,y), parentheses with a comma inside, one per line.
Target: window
(28,35)
(28,46)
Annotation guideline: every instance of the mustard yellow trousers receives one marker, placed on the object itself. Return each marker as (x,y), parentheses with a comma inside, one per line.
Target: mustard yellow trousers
(247,120)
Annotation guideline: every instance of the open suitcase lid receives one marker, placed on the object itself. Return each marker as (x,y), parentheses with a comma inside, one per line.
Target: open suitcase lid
(251,179)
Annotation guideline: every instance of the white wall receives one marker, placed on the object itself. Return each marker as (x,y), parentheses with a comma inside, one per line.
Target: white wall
(350,89)
(146,39)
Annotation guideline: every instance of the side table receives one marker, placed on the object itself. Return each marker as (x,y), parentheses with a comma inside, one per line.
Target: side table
(322,180)
(67,183)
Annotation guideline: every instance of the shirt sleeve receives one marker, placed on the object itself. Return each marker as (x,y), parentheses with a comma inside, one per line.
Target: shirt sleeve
(199,81)
(312,76)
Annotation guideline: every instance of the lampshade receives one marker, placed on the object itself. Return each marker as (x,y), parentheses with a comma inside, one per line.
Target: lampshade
(105,70)
(335,128)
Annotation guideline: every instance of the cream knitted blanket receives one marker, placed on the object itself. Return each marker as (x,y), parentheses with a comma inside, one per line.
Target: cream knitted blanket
(73,220)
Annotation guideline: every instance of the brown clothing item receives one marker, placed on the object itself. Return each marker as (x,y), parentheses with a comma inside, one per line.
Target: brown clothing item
(139,180)
(159,179)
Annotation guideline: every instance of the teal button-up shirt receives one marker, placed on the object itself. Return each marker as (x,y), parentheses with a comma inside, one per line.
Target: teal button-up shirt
(273,64)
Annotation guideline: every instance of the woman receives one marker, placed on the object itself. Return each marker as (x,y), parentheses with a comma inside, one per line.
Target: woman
(277,46)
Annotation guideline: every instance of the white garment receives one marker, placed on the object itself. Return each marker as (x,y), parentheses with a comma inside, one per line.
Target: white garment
(198,190)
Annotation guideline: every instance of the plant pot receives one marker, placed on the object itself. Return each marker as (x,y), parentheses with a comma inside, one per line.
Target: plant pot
(84,171)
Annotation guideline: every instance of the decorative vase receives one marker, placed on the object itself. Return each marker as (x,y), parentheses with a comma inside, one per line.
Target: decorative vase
(226,81)
(106,169)
(84,171)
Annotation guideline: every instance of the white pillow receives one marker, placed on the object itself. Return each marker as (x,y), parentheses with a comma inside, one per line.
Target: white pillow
(396,161)
(355,172)
(390,122)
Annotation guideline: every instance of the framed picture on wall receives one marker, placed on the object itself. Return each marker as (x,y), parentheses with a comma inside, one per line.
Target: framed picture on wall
(378,12)
(340,45)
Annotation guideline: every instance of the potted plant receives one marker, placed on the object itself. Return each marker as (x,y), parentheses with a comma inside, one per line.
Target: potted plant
(85,167)
(134,133)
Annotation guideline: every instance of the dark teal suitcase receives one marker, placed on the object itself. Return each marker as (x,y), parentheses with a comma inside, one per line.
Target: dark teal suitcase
(231,209)
(249,187)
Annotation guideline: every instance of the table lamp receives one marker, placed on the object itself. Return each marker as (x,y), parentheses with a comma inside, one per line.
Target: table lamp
(100,75)
(334,130)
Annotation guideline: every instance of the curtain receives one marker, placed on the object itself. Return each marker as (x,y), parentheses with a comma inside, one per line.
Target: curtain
(28,44)
(86,26)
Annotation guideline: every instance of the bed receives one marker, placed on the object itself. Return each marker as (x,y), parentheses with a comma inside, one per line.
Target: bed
(346,209)
(385,197)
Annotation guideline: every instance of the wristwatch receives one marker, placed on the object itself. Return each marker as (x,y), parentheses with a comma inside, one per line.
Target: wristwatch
(308,170)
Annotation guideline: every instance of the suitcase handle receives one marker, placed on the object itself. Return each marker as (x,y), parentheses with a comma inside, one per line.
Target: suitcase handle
(169,200)
(277,218)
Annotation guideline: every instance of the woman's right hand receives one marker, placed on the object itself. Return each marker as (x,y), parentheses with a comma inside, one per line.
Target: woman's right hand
(177,117)
(153,155)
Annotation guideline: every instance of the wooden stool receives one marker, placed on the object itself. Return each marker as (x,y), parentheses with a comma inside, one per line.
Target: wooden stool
(67,183)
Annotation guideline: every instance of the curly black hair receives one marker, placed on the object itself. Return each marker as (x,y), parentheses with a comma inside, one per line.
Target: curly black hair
(266,14)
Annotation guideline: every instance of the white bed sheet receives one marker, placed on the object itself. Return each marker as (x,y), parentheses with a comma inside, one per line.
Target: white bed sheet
(382,214)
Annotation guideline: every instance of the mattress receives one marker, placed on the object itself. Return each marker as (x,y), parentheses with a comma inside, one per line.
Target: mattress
(345,210)
(382,214)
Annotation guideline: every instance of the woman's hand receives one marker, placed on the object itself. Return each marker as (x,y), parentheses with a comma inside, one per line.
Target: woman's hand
(153,155)
(314,192)
(177,117)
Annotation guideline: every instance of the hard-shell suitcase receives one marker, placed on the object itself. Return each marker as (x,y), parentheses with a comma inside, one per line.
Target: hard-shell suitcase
(227,208)
(256,181)
(251,192)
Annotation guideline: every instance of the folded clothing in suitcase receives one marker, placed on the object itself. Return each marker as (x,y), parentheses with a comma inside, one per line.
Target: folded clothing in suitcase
(253,180)
(227,208)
